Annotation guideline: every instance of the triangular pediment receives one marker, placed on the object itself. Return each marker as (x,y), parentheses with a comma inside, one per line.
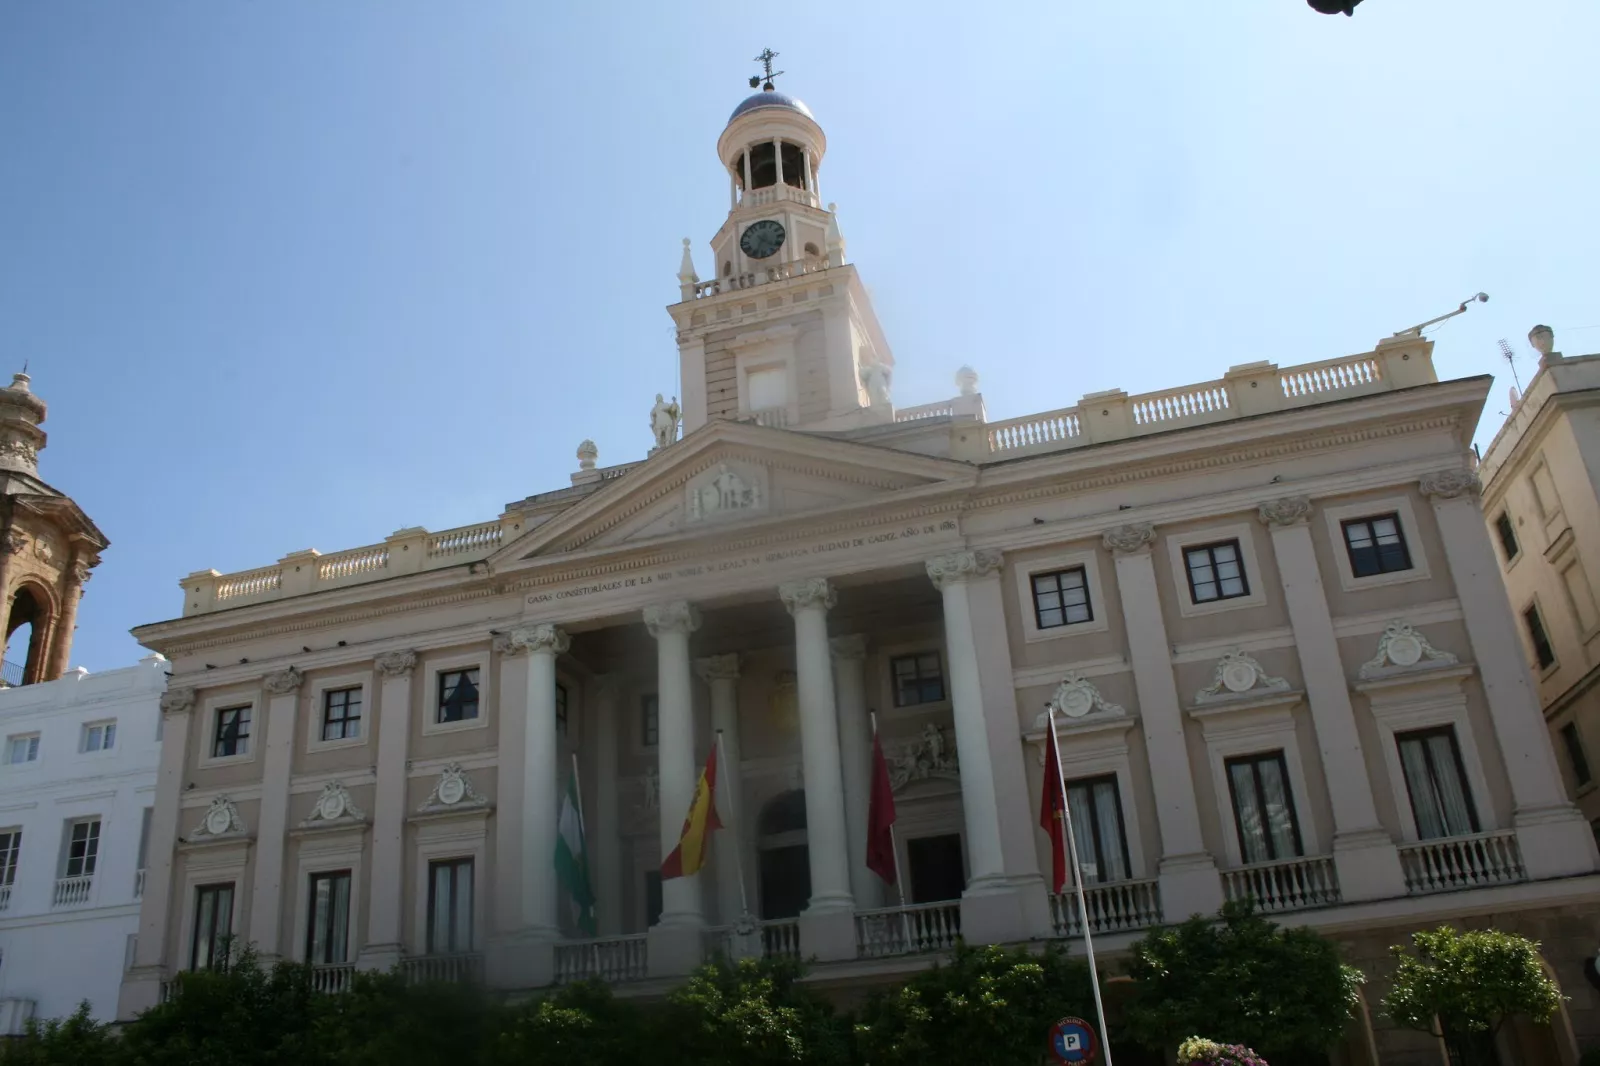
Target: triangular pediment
(730,474)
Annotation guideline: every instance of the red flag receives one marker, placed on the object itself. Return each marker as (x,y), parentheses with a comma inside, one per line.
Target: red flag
(880,818)
(1052,815)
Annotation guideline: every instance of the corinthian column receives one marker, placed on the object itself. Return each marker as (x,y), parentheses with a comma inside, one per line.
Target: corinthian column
(855,752)
(541,767)
(674,945)
(721,674)
(384,939)
(266,899)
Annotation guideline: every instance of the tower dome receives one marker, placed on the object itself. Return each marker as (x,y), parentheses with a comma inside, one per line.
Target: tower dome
(764,100)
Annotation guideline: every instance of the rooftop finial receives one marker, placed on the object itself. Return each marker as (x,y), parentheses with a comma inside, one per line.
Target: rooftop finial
(764,80)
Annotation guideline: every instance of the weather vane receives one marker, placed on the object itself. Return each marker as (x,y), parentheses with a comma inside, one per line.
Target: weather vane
(765,80)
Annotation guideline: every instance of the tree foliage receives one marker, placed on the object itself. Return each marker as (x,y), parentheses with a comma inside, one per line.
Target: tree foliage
(1469,983)
(987,1006)
(752,1013)
(1243,980)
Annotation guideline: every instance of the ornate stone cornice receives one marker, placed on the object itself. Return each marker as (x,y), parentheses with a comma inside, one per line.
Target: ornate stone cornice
(544,638)
(677,616)
(177,701)
(851,647)
(283,682)
(718,667)
(1285,511)
(1448,484)
(955,567)
(1128,539)
(807,592)
(396,663)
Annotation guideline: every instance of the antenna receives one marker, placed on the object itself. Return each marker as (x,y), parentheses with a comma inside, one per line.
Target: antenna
(764,79)
(1416,331)
(1511,361)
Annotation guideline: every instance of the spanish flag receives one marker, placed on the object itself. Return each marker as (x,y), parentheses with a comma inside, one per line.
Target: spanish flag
(690,854)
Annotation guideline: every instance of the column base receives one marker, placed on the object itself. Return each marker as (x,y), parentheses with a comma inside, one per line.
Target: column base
(525,959)
(674,950)
(1190,885)
(1555,842)
(141,990)
(828,935)
(1367,864)
(1005,911)
(379,958)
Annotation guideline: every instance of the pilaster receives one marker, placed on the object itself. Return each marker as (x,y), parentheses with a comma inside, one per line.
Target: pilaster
(266,897)
(385,944)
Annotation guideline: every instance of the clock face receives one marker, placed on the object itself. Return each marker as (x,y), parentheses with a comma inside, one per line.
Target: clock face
(761,239)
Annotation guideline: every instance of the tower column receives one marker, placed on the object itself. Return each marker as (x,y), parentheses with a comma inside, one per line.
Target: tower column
(746,158)
(805,157)
(733,192)
(61,634)
(777,156)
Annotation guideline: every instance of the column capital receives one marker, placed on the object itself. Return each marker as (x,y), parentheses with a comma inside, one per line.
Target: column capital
(852,647)
(283,682)
(177,701)
(1449,484)
(956,567)
(807,592)
(1285,511)
(396,663)
(1130,539)
(546,638)
(718,667)
(677,616)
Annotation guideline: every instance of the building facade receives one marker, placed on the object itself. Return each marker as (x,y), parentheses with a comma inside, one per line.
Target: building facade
(1541,478)
(77,788)
(1265,606)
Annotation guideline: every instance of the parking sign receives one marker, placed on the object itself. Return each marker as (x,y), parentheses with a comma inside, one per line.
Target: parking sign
(1072,1041)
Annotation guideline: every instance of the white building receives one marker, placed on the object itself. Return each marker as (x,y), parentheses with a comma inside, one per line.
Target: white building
(77,781)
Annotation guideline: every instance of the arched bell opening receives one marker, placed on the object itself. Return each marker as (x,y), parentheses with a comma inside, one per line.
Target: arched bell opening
(27,631)
(763,165)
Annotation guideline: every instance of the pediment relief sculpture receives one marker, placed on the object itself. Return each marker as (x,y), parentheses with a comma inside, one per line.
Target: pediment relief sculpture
(1076,699)
(723,492)
(452,792)
(1402,647)
(1239,676)
(334,807)
(221,820)
(931,755)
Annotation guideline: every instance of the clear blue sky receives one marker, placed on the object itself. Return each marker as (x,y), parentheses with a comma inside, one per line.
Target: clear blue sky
(296,274)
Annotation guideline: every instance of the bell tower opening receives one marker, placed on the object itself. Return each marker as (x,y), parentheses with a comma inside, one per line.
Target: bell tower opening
(763,169)
(25,636)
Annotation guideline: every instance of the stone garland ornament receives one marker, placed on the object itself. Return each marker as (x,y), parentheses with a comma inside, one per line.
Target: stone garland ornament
(452,792)
(1238,674)
(1125,540)
(956,567)
(221,820)
(334,807)
(1076,698)
(1448,484)
(1287,511)
(396,663)
(177,700)
(283,682)
(929,756)
(1402,647)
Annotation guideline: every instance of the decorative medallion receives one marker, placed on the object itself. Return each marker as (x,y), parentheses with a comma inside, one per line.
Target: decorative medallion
(396,663)
(1125,540)
(1448,484)
(334,806)
(1287,511)
(1238,674)
(177,700)
(725,493)
(453,791)
(1402,646)
(283,682)
(221,820)
(929,756)
(1076,698)
(955,567)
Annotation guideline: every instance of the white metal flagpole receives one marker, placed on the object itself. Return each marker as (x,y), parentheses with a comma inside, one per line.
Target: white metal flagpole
(1077,878)
(733,833)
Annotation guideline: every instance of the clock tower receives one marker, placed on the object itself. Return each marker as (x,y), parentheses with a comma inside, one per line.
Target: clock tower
(782,332)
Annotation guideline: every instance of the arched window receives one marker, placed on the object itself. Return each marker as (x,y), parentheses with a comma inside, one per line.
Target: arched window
(26,628)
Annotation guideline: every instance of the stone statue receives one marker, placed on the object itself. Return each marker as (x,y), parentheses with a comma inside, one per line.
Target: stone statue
(664,420)
(875,376)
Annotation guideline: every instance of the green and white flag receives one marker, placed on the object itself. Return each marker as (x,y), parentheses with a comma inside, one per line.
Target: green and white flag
(572,856)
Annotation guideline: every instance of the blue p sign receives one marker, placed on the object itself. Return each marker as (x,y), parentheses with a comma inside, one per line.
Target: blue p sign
(1072,1041)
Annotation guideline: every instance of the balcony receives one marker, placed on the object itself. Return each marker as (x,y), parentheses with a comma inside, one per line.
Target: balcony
(1287,885)
(612,959)
(1454,863)
(451,969)
(1119,907)
(72,891)
(915,929)
(333,977)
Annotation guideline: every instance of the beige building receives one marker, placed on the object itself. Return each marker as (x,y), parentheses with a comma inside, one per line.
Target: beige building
(1541,478)
(1265,605)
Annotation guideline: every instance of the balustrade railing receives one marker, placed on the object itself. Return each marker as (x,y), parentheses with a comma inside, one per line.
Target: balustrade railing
(1188,404)
(771,417)
(1462,862)
(754,279)
(454,969)
(780,938)
(773,194)
(927,410)
(1330,375)
(250,583)
(465,539)
(333,977)
(915,929)
(1289,885)
(611,959)
(351,563)
(1113,908)
(72,891)
(1019,434)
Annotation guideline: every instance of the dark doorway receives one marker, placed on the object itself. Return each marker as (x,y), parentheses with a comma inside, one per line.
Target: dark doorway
(785,881)
(652,898)
(936,868)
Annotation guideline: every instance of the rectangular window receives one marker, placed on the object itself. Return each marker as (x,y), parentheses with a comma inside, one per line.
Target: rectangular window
(1096,811)
(1437,782)
(1544,493)
(100,736)
(1581,596)
(144,836)
(1508,536)
(22,749)
(458,695)
(213,924)
(768,387)
(83,847)
(10,847)
(917,679)
(233,732)
(1376,545)
(1263,808)
(1543,653)
(450,907)
(1061,598)
(1574,745)
(1216,572)
(649,721)
(328,934)
(341,714)
(561,709)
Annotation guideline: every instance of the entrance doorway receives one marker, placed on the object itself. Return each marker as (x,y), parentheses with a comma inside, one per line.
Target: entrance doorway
(784,867)
(937,871)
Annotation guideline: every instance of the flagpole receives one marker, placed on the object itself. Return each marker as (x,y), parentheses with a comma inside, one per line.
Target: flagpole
(1077,877)
(738,861)
(583,832)
(894,847)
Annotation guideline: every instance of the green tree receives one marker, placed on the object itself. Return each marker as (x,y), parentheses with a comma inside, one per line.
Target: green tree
(1241,979)
(987,1006)
(579,1025)
(385,1020)
(753,1013)
(77,1040)
(1462,987)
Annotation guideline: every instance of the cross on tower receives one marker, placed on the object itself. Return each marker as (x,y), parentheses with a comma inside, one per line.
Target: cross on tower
(765,78)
